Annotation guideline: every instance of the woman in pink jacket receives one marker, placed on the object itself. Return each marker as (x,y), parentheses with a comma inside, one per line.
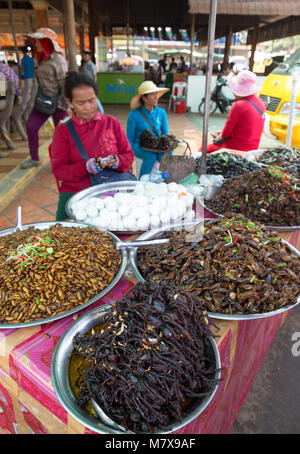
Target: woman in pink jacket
(108,155)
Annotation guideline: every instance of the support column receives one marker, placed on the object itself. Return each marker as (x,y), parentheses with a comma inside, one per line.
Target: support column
(71,32)
(93,26)
(253,47)
(227,47)
(192,40)
(41,13)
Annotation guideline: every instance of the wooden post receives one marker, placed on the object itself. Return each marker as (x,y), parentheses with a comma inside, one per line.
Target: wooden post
(92,28)
(227,47)
(210,51)
(41,13)
(71,32)
(192,40)
(253,47)
(11,19)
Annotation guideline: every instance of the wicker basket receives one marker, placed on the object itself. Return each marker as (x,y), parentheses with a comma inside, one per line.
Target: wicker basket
(178,166)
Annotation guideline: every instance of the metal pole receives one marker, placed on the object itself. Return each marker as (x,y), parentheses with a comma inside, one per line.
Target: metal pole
(295,77)
(192,41)
(210,50)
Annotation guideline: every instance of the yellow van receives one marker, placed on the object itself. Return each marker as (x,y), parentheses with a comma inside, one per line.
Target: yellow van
(276,94)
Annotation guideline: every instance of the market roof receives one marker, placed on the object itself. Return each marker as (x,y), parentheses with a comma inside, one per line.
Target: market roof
(248,7)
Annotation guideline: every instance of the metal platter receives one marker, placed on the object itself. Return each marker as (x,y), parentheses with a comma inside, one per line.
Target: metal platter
(102,191)
(60,376)
(158,233)
(285,228)
(46,225)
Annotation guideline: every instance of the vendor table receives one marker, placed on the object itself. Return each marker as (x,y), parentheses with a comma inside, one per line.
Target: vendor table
(28,403)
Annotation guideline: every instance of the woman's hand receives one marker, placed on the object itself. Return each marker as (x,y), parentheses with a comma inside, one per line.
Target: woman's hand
(216,134)
(107,162)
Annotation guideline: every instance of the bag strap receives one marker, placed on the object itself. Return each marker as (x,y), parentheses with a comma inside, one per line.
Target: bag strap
(77,140)
(253,104)
(148,121)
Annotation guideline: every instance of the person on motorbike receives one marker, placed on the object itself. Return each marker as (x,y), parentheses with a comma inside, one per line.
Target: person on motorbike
(245,122)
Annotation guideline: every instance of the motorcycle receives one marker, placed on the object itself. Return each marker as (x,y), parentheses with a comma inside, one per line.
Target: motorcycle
(218,99)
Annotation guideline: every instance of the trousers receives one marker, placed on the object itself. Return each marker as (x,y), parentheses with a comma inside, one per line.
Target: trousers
(148,158)
(35,121)
(23,110)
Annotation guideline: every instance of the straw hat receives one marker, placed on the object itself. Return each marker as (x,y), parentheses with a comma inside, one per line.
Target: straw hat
(144,89)
(45,32)
(244,83)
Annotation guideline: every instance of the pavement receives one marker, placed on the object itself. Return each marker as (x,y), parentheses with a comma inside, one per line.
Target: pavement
(272,405)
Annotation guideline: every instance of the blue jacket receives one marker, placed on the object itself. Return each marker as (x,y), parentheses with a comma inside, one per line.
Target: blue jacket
(136,125)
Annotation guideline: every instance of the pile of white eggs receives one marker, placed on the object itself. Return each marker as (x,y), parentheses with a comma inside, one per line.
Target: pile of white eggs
(149,205)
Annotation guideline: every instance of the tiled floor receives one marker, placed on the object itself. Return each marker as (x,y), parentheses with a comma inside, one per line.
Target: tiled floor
(39,199)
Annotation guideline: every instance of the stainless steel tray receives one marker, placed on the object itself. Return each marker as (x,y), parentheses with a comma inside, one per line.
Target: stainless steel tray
(159,233)
(284,228)
(60,376)
(46,225)
(100,190)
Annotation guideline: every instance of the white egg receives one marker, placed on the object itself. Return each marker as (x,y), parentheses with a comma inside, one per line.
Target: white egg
(141,200)
(180,208)
(154,221)
(80,214)
(154,210)
(172,200)
(118,196)
(165,217)
(81,204)
(92,211)
(174,213)
(143,222)
(163,200)
(91,221)
(103,222)
(105,213)
(172,187)
(124,209)
(180,188)
(139,187)
(99,203)
(129,222)
(163,187)
(111,204)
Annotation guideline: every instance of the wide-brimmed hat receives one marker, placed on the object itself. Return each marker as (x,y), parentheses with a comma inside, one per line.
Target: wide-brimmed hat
(144,89)
(244,83)
(43,33)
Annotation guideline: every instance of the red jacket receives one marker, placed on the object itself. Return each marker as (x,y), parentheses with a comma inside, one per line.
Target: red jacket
(101,136)
(244,125)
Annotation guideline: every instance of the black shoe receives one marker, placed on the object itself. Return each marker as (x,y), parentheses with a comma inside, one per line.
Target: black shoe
(30,163)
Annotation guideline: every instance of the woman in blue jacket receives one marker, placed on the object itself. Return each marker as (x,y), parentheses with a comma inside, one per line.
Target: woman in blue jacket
(144,104)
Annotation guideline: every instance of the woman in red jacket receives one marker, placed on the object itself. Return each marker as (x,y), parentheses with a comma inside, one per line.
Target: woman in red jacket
(108,153)
(245,123)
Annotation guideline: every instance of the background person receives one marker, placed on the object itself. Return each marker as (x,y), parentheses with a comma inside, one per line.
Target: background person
(102,136)
(12,89)
(146,103)
(88,67)
(28,92)
(51,73)
(245,124)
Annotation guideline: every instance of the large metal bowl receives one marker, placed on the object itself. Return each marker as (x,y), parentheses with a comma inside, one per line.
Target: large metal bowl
(60,376)
(46,225)
(285,228)
(159,233)
(102,191)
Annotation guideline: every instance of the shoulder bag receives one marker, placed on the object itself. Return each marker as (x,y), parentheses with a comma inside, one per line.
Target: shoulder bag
(178,166)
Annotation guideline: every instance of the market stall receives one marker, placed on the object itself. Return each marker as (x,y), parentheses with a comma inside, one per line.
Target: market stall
(244,326)
(120,68)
